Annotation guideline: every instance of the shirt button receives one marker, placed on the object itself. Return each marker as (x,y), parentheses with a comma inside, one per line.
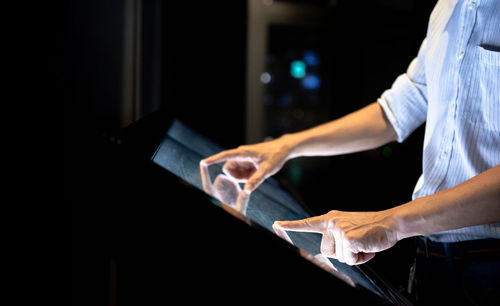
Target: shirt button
(460,55)
(472,5)
(444,154)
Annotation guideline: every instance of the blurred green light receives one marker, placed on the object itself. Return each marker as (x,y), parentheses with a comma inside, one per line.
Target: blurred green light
(298,69)
(295,174)
(387,152)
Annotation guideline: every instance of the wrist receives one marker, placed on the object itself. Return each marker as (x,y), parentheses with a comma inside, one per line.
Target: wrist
(407,221)
(291,144)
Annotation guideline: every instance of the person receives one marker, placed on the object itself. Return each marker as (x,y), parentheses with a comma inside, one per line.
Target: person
(453,85)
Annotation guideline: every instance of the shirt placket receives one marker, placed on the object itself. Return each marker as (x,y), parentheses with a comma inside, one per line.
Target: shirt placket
(468,18)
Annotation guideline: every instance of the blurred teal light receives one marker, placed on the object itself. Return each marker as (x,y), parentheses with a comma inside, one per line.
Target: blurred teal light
(298,69)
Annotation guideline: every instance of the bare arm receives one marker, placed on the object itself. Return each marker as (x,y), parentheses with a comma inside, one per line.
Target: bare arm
(364,129)
(474,202)
(355,237)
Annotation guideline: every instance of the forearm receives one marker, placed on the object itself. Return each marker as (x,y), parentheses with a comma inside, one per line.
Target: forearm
(362,130)
(474,202)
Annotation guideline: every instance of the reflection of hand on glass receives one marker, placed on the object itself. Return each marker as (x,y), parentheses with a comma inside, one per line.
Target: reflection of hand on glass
(324,263)
(319,259)
(281,232)
(229,192)
(225,190)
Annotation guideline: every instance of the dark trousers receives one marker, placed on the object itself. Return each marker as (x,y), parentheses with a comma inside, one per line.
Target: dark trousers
(462,273)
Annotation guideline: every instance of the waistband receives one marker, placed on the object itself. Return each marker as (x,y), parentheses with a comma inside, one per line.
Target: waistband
(475,250)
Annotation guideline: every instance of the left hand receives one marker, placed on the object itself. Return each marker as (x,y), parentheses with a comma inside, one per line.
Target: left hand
(350,237)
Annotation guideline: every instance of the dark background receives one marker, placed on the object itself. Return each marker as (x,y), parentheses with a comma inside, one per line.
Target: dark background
(130,235)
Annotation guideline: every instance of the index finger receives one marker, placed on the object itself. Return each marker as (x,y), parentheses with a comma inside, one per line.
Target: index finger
(222,156)
(313,225)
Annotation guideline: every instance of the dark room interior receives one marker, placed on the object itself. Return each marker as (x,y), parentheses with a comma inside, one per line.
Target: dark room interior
(138,236)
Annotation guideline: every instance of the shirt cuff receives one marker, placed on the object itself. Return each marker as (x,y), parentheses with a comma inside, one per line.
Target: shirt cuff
(405,106)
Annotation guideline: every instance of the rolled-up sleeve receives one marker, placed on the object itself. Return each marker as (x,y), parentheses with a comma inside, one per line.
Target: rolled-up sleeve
(405,103)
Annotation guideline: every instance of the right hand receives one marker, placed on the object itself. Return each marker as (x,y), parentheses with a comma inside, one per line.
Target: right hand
(252,164)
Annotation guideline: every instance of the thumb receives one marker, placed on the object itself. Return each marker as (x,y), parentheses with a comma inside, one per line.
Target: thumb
(242,202)
(364,257)
(256,179)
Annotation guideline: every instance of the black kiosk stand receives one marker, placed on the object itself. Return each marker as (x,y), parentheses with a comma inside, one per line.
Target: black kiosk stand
(180,153)
(177,244)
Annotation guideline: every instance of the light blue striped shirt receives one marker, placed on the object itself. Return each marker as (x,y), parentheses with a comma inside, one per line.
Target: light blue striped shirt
(454,86)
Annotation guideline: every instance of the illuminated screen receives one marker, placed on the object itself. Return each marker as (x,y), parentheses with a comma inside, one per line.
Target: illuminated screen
(181,151)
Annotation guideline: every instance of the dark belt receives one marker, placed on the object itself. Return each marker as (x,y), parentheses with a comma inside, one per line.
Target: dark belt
(472,250)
